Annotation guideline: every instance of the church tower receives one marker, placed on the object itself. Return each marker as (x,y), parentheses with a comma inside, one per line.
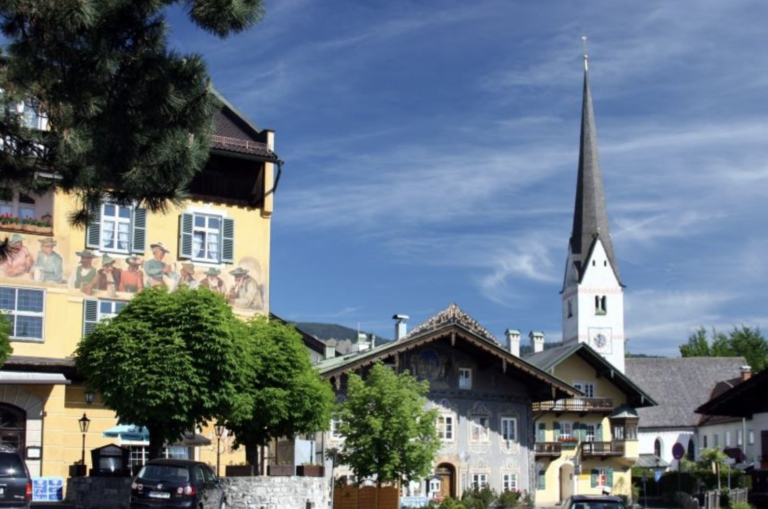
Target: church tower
(593,295)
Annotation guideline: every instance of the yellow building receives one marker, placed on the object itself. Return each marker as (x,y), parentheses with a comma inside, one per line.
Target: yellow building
(586,445)
(62,280)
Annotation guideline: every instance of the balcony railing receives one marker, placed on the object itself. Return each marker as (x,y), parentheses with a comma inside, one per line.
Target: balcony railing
(602,449)
(580,405)
(248,145)
(547,448)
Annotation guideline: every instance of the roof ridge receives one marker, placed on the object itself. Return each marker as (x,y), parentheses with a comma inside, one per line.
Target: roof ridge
(453,314)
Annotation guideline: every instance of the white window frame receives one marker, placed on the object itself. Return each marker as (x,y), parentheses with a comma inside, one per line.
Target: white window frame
(715,440)
(479,481)
(602,477)
(117,220)
(751,437)
(505,428)
(207,230)
(566,425)
(465,379)
(32,314)
(113,303)
(590,432)
(446,427)
(335,431)
(481,425)
(727,439)
(739,438)
(509,482)
(704,442)
(588,388)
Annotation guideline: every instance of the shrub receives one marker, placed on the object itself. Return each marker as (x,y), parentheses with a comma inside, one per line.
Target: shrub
(742,505)
(452,503)
(508,499)
(478,499)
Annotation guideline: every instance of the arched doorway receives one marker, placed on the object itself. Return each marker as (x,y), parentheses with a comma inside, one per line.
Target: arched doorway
(13,426)
(447,474)
(566,481)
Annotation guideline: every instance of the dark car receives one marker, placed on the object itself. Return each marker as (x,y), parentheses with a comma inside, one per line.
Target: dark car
(15,483)
(170,483)
(593,502)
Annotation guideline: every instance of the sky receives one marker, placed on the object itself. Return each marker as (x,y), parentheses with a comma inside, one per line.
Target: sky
(431,150)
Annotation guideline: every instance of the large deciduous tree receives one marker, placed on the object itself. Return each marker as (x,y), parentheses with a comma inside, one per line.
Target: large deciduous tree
(287,395)
(742,341)
(388,432)
(125,112)
(170,361)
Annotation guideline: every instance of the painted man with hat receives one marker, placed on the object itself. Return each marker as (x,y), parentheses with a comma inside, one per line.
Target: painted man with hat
(132,278)
(188,276)
(49,267)
(156,269)
(19,260)
(245,293)
(213,281)
(108,276)
(84,276)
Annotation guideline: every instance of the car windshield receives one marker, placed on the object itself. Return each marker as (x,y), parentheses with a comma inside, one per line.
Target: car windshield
(167,473)
(11,466)
(598,504)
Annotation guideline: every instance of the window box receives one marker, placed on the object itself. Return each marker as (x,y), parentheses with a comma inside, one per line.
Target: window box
(310,471)
(281,470)
(239,471)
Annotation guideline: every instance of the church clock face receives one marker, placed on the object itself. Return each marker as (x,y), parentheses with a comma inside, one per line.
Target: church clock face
(600,339)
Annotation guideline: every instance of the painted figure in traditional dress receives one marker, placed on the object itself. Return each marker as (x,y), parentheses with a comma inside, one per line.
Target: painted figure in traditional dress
(84,276)
(19,260)
(132,278)
(108,276)
(188,276)
(213,281)
(157,270)
(246,291)
(49,267)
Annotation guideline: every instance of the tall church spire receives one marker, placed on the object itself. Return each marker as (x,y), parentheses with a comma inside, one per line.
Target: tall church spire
(590,219)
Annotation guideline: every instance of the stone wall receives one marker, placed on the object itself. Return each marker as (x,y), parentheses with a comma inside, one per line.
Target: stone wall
(276,492)
(242,492)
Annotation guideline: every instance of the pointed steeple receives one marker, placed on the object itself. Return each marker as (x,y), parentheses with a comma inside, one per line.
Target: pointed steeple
(590,219)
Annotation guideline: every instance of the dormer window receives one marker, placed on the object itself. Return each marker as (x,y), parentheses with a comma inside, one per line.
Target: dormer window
(465,378)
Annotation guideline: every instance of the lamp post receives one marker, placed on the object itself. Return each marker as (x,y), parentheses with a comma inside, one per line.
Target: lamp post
(84,422)
(219,430)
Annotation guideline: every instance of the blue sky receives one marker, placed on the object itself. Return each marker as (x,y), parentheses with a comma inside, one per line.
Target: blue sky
(431,155)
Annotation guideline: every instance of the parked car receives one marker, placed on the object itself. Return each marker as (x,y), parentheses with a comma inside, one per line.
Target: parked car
(593,502)
(167,483)
(15,483)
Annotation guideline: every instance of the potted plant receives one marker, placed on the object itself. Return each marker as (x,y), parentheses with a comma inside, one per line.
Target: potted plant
(240,470)
(281,470)
(568,441)
(46,223)
(11,222)
(310,470)
(29,224)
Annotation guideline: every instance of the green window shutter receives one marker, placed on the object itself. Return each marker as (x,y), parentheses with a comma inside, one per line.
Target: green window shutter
(593,477)
(228,239)
(542,479)
(599,433)
(139,234)
(610,477)
(542,433)
(577,431)
(186,222)
(90,315)
(93,231)
(556,429)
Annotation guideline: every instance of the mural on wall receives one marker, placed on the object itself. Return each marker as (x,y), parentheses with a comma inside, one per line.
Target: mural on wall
(109,275)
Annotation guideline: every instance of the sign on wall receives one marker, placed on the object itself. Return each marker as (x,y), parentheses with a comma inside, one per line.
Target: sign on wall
(47,489)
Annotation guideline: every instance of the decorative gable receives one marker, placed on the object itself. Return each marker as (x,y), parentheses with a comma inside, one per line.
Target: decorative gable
(453,315)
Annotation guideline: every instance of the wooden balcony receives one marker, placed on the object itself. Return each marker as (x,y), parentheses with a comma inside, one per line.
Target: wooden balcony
(602,449)
(547,449)
(577,405)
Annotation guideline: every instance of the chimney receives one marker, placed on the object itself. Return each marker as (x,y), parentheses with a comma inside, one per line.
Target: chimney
(746,373)
(513,340)
(330,352)
(401,326)
(537,341)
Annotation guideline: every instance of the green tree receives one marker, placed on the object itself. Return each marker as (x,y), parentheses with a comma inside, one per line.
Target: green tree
(125,112)
(710,459)
(287,396)
(742,341)
(170,361)
(388,433)
(5,342)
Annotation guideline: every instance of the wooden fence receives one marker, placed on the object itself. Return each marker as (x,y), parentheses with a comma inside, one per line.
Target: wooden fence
(367,497)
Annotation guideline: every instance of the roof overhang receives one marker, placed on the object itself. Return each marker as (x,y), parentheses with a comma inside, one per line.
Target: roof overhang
(744,400)
(32,378)
(547,386)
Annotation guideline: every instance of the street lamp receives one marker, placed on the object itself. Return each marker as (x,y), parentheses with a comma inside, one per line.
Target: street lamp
(219,430)
(84,422)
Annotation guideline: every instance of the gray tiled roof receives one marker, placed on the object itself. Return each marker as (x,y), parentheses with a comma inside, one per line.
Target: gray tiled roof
(234,132)
(590,218)
(679,386)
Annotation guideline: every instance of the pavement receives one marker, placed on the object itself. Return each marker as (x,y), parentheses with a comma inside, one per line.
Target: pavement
(52,505)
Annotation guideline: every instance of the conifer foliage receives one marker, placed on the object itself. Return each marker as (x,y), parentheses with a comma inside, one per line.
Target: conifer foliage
(125,112)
